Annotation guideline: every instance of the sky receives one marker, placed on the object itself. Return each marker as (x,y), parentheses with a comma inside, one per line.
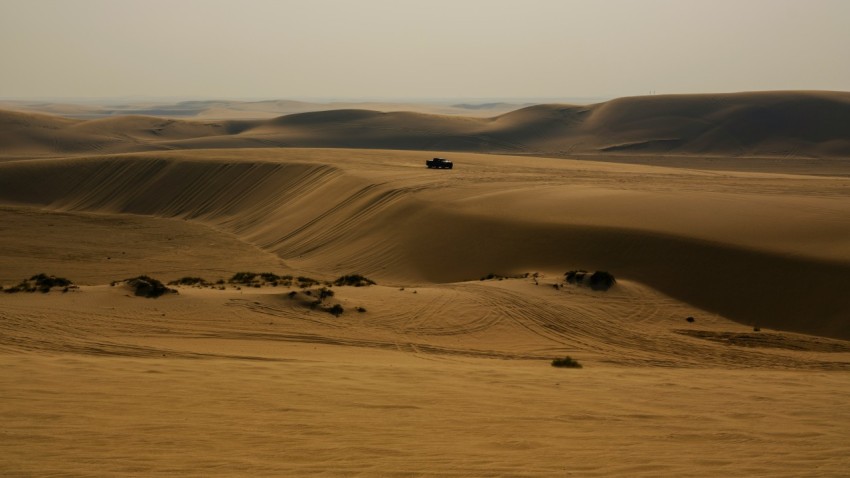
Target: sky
(415,49)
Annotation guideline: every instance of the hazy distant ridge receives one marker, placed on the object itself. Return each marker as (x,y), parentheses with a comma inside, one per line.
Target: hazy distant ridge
(765,124)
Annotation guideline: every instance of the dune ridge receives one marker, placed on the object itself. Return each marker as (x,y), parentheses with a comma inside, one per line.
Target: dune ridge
(405,225)
(792,124)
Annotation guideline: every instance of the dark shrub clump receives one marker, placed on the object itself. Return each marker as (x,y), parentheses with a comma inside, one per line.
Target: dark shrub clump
(336,310)
(575,277)
(599,280)
(145,286)
(41,283)
(355,280)
(243,277)
(306,281)
(602,280)
(566,362)
(259,279)
(189,281)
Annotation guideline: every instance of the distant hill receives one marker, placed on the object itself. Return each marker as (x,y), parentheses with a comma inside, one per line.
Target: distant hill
(760,124)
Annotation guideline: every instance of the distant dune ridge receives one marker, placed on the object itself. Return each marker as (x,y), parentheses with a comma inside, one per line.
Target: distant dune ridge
(763,124)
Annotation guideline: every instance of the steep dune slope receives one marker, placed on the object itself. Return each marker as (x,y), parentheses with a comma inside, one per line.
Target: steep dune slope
(381,213)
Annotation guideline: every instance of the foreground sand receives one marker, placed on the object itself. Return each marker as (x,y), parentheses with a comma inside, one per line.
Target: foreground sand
(445,381)
(443,374)
(323,411)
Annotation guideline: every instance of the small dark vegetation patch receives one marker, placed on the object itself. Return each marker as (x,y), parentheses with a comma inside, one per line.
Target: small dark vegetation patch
(145,286)
(575,277)
(355,280)
(494,276)
(305,282)
(190,281)
(315,299)
(602,280)
(691,319)
(360,309)
(566,362)
(260,279)
(599,280)
(41,283)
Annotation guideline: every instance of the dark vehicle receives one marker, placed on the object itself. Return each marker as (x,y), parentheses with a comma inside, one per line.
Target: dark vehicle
(439,163)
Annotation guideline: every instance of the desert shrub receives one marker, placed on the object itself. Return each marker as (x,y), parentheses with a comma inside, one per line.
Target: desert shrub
(292,294)
(360,309)
(566,362)
(691,319)
(269,277)
(145,286)
(306,281)
(324,292)
(40,282)
(355,280)
(575,277)
(602,280)
(336,310)
(599,280)
(189,281)
(258,279)
(243,277)
(23,286)
(494,276)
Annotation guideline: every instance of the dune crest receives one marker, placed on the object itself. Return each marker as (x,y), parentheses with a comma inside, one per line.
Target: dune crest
(331,212)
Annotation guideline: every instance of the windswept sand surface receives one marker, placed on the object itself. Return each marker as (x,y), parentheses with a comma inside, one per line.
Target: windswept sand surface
(440,373)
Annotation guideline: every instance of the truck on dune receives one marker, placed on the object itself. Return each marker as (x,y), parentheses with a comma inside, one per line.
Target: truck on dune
(439,163)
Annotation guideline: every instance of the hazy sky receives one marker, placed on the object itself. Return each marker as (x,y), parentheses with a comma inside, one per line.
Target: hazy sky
(396,49)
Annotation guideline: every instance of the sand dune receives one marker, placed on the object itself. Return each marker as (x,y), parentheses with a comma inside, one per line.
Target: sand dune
(234,109)
(749,125)
(434,370)
(725,247)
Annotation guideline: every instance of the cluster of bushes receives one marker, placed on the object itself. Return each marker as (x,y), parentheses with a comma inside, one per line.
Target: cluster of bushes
(192,281)
(315,299)
(566,362)
(262,279)
(259,279)
(355,280)
(146,286)
(599,280)
(492,276)
(41,283)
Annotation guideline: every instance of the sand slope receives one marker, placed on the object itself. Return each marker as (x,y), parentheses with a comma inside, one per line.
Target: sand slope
(761,249)
(432,372)
(751,125)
